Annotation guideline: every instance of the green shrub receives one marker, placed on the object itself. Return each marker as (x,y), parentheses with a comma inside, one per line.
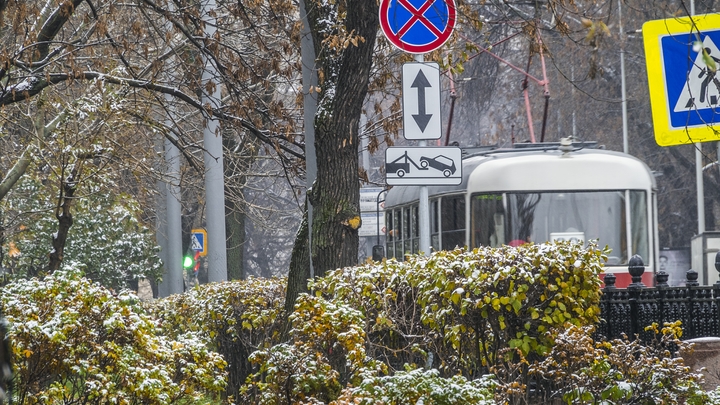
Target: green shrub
(327,352)
(106,240)
(580,370)
(383,293)
(466,307)
(75,341)
(420,387)
(237,318)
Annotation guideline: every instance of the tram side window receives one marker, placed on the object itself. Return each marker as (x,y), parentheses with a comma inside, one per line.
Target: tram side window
(488,220)
(434,225)
(452,218)
(390,239)
(397,226)
(415,240)
(407,236)
(638,208)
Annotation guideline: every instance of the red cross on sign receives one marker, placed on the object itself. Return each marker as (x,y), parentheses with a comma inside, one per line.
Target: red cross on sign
(417,26)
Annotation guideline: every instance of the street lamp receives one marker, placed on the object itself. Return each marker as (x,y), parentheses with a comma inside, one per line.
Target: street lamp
(378,251)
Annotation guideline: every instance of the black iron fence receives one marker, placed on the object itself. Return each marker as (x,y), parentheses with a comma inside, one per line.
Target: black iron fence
(629,310)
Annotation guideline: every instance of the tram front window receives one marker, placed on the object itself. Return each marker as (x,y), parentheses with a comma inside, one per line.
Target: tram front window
(516,218)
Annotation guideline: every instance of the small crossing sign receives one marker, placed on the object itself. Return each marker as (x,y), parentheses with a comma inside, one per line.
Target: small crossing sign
(421,100)
(198,241)
(423,166)
(417,26)
(682,57)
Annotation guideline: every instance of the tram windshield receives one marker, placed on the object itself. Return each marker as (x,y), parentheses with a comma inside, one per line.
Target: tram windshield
(516,218)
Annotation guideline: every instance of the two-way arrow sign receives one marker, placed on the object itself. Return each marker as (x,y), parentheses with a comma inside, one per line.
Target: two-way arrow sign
(422,117)
(421,100)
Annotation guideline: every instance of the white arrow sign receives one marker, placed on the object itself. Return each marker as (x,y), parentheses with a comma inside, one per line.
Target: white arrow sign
(423,166)
(421,100)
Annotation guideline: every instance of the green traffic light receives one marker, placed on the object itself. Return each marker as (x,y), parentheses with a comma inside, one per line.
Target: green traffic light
(188,262)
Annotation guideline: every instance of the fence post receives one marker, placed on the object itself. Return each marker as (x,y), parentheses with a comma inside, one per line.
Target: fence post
(661,279)
(607,296)
(636,268)
(691,282)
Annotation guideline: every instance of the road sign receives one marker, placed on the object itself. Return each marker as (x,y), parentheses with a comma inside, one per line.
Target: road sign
(369,199)
(198,241)
(370,226)
(423,166)
(417,26)
(684,90)
(421,100)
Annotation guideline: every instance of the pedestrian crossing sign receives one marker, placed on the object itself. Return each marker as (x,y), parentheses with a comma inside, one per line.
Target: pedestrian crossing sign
(198,241)
(683,58)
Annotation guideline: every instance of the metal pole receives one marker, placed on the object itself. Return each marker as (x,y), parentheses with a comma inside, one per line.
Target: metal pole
(377,213)
(698,169)
(572,98)
(173,278)
(214,175)
(424,204)
(626,147)
(700,189)
(161,222)
(528,109)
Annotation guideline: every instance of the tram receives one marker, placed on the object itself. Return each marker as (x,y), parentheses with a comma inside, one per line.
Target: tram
(537,193)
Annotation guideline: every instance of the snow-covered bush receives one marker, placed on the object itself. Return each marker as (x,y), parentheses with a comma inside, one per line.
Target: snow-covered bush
(420,387)
(580,370)
(456,311)
(237,318)
(326,362)
(327,351)
(466,307)
(106,240)
(74,341)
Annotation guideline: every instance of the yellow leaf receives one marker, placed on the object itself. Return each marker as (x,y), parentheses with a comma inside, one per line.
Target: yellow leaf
(13,251)
(354,222)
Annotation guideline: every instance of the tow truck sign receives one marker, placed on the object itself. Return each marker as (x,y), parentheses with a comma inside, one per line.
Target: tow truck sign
(423,166)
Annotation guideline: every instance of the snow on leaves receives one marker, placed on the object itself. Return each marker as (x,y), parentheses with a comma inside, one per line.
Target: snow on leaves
(74,339)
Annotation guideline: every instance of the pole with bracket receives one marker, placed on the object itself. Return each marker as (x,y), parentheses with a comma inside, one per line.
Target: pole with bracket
(424,204)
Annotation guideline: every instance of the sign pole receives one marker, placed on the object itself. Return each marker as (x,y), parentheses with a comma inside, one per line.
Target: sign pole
(699,185)
(419,31)
(213,158)
(424,203)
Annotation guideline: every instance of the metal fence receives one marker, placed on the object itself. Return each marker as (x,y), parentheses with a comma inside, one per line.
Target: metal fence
(629,310)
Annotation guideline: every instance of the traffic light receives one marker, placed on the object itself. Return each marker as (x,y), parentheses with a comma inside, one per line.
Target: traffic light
(192,262)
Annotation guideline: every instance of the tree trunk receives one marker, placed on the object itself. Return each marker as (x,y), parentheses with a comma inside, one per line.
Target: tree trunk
(64,217)
(299,271)
(235,234)
(234,210)
(15,172)
(336,193)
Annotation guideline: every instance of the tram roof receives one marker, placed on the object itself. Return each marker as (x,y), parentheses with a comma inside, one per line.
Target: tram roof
(540,169)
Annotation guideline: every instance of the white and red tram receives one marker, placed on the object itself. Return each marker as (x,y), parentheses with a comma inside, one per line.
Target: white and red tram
(538,193)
